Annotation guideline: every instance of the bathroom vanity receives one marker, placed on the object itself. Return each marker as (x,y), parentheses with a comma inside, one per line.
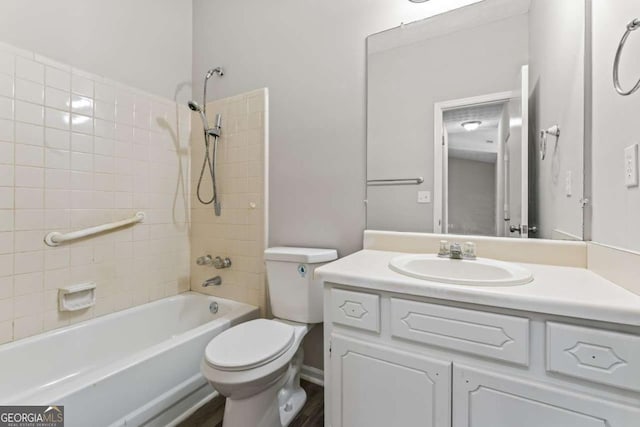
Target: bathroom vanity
(560,351)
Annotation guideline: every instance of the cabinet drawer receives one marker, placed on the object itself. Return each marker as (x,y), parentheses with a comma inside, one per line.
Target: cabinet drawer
(355,309)
(605,357)
(486,334)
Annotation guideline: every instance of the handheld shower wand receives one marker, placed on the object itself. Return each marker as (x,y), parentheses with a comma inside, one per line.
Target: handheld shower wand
(209,160)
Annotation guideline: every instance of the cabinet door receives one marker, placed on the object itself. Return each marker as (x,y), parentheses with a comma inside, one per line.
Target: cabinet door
(483,399)
(375,386)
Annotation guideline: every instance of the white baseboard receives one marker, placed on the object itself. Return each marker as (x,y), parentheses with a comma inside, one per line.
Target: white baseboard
(313,375)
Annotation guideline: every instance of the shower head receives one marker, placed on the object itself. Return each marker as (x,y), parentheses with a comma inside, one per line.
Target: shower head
(218,70)
(194,106)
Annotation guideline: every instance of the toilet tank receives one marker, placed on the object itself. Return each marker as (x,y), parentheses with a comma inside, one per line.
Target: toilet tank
(293,292)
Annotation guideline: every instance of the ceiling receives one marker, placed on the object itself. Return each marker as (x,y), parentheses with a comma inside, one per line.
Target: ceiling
(488,114)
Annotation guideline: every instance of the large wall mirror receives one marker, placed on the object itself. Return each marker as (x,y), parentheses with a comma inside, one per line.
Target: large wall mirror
(475,121)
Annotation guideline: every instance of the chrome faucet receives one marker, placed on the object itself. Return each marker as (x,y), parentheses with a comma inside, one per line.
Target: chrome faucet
(221,263)
(214,281)
(217,262)
(455,251)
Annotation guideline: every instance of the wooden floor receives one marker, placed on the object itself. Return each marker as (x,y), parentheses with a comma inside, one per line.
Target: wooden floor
(311,415)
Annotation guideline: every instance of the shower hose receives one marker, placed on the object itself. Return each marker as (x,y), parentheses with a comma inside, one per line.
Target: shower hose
(210,163)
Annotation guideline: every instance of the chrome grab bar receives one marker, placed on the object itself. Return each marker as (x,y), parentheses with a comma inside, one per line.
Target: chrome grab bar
(55,238)
(631,26)
(401,181)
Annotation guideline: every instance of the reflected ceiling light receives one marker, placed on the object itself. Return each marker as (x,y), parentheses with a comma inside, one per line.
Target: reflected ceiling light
(471,125)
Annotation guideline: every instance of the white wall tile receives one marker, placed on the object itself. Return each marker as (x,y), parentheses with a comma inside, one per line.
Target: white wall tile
(105,92)
(56,178)
(6,287)
(28,262)
(58,119)
(29,198)
(29,219)
(6,175)
(24,327)
(57,159)
(7,63)
(57,199)
(26,90)
(6,198)
(28,240)
(27,176)
(82,124)
(82,105)
(29,70)
(59,79)
(81,180)
(72,166)
(6,108)
(7,242)
(29,134)
(29,155)
(6,130)
(57,98)
(6,309)
(81,85)
(6,219)
(56,138)
(81,143)
(6,85)
(81,162)
(105,110)
(29,113)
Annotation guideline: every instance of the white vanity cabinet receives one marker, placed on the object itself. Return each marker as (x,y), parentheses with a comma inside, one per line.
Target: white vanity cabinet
(374,379)
(397,360)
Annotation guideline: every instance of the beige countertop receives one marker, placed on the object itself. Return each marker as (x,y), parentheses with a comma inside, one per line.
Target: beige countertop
(563,291)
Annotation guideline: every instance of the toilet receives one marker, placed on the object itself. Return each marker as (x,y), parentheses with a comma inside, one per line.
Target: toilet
(256,365)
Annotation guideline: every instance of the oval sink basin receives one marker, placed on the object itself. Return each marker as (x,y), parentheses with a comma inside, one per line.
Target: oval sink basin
(478,272)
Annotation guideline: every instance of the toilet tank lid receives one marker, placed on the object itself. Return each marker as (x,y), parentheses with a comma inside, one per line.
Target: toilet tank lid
(304,255)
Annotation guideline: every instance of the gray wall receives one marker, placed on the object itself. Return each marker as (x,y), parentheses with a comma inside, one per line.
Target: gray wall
(556,78)
(616,208)
(143,43)
(404,84)
(311,56)
(472,197)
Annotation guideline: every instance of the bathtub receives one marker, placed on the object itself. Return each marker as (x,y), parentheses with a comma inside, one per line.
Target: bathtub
(139,366)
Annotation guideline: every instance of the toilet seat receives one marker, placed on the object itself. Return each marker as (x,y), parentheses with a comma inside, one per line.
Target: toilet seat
(249,345)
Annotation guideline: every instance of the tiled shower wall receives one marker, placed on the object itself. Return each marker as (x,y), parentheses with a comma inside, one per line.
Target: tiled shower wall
(240,232)
(78,150)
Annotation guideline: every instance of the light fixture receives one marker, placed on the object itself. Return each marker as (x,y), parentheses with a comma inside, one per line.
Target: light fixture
(471,125)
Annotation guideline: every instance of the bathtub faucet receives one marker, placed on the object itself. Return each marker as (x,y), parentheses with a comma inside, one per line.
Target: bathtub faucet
(215,281)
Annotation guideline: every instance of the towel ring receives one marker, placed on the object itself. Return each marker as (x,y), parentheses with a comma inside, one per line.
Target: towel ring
(632,26)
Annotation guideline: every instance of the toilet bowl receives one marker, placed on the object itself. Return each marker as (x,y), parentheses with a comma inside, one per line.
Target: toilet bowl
(256,365)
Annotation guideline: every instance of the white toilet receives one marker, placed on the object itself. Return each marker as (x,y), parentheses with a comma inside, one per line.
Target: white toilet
(256,364)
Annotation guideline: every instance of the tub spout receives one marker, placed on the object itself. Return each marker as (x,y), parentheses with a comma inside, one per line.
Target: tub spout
(215,281)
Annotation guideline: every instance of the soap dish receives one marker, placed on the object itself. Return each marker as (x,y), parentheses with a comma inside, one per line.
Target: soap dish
(77,297)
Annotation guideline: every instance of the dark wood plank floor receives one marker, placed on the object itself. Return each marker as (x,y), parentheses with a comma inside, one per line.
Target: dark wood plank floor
(311,415)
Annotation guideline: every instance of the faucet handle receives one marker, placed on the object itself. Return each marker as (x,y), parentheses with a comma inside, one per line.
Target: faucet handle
(444,249)
(204,260)
(469,251)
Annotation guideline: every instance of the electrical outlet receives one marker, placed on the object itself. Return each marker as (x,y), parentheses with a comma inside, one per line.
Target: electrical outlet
(631,166)
(424,196)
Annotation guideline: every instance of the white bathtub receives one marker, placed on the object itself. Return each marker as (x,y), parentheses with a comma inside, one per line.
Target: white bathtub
(140,366)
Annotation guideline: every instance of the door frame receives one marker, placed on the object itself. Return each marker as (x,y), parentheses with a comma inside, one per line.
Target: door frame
(438,143)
